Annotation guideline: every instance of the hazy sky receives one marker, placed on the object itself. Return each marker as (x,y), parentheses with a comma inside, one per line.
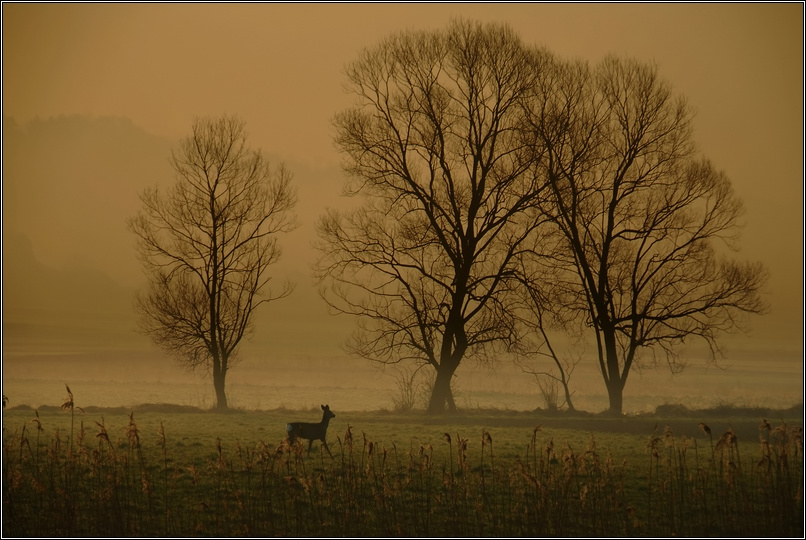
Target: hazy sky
(279,67)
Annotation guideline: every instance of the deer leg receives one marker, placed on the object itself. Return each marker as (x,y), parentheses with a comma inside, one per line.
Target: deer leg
(324,444)
(310,443)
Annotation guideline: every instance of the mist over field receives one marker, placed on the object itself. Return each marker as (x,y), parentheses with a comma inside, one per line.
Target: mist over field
(72,172)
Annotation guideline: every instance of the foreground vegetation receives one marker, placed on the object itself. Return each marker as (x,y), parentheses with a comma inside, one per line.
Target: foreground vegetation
(157,472)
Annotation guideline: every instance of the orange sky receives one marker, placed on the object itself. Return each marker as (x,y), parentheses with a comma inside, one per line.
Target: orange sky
(279,68)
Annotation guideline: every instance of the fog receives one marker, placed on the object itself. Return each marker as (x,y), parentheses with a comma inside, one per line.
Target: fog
(95,97)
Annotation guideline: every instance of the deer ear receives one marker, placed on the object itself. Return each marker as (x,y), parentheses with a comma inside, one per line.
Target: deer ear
(323,407)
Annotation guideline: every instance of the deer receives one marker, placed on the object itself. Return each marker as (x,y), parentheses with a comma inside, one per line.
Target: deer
(311,431)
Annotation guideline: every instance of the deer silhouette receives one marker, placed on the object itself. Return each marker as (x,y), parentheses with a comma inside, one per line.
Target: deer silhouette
(311,431)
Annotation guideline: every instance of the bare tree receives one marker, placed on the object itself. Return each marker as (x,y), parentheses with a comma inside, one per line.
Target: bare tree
(645,222)
(436,148)
(206,244)
(540,305)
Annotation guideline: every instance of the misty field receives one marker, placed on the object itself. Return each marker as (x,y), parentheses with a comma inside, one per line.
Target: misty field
(178,471)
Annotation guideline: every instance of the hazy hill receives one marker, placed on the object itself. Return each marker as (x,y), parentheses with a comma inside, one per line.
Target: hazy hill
(69,183)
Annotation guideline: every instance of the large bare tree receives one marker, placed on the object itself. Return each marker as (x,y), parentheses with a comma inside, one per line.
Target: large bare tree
(646,224)
(206,244)
(435,150)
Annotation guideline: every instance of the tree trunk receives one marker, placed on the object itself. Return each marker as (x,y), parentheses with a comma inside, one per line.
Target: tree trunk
(219,377)
(615,391)
(441,395)
(567,395)
(564,382)
(613,381)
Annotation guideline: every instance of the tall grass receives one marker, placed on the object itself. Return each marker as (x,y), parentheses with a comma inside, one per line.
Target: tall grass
(94,484)
(711,491)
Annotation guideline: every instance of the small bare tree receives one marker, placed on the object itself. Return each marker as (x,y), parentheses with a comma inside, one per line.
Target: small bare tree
(542,312)
(551,334)
(206,244)
(435,146)
(408,390)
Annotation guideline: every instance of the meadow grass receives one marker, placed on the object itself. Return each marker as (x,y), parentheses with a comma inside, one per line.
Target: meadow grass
(159,471)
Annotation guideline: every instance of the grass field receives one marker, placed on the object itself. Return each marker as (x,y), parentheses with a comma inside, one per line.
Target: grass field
(178,471)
